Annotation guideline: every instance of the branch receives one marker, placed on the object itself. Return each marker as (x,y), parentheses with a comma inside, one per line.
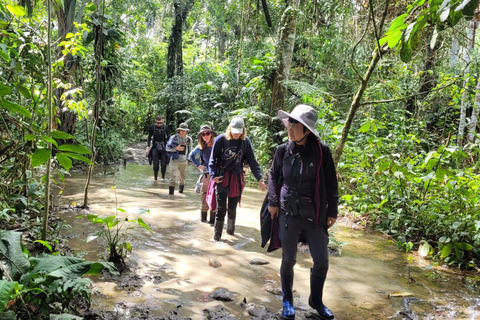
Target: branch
(355,48)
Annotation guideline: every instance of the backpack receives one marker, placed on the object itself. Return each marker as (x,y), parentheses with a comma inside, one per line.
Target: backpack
(159,132)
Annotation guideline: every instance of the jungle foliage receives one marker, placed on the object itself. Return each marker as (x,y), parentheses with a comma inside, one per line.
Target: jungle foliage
(400,64)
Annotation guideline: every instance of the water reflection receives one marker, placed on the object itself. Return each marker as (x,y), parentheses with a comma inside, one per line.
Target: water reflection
(171,266)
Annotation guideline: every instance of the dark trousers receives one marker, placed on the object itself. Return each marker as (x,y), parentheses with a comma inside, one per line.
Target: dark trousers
(159,158)
(222,208)
(290,229)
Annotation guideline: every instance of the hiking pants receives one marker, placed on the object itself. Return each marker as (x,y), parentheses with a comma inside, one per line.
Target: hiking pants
(222,197)
(159,158)
(177,172)
(290,229)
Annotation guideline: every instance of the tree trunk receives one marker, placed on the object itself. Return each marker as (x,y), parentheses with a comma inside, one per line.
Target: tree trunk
(466,95)
(286,42)
(454,52)
(354,107)
(267,14)
(427,79)
(472,126)
(175,58)
(358,96)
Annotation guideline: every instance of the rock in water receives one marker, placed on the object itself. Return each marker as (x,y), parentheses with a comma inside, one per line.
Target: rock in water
(258,262)
(221,294)
(214,263)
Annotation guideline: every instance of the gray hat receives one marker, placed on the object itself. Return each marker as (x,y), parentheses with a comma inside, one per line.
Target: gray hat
(304,114)
(237,125)
(183,126)
(205,128)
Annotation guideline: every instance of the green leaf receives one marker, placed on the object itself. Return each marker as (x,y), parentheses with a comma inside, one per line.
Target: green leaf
(12,258)
(78,157)
(49,140)
(57,134)
(46,244)
(64,160)
(4,90)
(468,8)
(15,108)
(40,156)
(6,289)
(405,52)
(29,137)
(365,127)
(142,224)
(464,246)
(23,91)
(424,249)
(446,250)
(74,148)
(16,10)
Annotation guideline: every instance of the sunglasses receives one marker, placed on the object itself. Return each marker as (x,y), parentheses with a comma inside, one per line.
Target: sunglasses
(206,134)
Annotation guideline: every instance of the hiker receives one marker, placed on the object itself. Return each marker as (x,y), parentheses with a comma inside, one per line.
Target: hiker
(179,146)
(158,134)
(230,150)
(205,142)
(303,199)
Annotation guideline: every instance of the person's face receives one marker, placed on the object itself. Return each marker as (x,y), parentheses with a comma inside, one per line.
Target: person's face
(158,123)
(206,136)
(182,133)
(295,131)
(236,136)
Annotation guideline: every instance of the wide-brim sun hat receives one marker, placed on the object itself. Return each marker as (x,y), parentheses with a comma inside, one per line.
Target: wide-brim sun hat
(237,125)
(304,114)
(183,126)
(205,128)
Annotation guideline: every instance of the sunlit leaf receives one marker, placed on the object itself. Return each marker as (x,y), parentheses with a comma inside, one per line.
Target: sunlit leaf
(18,11)
(64,160)
(74,148)
(40,156)
(424,249)
(57,134)
(446,250)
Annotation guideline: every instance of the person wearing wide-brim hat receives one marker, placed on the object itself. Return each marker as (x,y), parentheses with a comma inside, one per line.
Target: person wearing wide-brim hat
(205,136)
(303,199)
(179,146)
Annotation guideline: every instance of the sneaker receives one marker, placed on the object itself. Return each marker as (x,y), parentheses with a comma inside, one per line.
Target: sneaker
(162,180)
(288,311)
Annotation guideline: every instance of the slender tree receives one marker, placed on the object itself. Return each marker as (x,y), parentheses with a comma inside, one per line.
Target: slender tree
(284,54)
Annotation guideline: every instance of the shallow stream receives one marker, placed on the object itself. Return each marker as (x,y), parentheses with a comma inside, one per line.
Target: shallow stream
(171,270)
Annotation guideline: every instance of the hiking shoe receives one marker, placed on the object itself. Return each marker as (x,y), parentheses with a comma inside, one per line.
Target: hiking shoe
(288,311)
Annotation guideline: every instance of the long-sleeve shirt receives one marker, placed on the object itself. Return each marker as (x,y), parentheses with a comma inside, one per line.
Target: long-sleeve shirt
(175,141)
(307,171)
(158,134)
(224,150)
(204,156)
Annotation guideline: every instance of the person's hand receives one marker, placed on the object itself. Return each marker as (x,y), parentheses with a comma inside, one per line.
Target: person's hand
(331,222)
(273,211)
(180,148)
(201,168)
(218,179)
(261,185)
(147,150)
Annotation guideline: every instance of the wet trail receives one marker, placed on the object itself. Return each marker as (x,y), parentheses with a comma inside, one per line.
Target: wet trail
(171,272)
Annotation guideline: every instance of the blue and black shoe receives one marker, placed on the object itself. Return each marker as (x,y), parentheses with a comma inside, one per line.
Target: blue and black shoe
(288,311)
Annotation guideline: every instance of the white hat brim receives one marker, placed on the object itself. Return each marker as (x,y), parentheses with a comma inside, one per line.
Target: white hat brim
(284,117)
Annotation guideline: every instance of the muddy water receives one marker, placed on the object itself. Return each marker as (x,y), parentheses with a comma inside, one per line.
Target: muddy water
(170,268)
